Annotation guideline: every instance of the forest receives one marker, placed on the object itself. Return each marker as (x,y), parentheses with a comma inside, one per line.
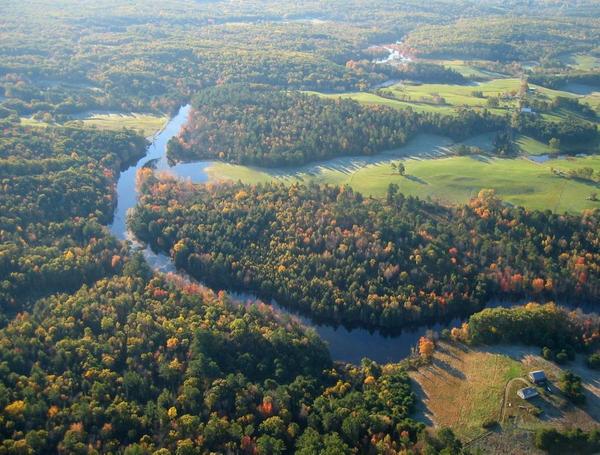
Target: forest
(507,39)
(57,192)
(254,125)
(138,363)
(334,254)
(97,354)
(545,326)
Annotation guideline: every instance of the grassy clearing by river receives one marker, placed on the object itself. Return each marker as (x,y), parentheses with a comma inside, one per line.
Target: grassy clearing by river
(449,179)
(147,123)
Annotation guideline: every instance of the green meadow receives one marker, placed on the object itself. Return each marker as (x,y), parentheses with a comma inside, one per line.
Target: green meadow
(470,69)
(448,179)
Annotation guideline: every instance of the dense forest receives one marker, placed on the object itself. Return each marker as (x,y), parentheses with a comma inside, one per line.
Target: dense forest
(345,258)
(255,125)
(506,39)
(57,191)
(136,363)
(545,326)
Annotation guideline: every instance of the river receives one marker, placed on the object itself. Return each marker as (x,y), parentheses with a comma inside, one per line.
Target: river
(347,345)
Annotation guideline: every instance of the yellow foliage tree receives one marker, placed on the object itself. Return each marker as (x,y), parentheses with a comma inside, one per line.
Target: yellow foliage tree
(426,347)
(16,408)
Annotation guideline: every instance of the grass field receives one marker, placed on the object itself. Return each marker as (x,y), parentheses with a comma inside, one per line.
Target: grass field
(593,99)
(465,387)
(531,146)
(447,179)
(147,123)
(446,98)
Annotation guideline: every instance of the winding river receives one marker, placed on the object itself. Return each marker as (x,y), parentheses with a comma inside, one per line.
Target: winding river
(348,345)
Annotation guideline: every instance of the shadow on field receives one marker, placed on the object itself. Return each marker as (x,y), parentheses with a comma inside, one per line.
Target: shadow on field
(416,179)
(442,365)
(421,412)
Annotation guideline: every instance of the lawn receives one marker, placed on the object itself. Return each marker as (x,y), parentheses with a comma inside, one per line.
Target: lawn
(147,123)
(447,179)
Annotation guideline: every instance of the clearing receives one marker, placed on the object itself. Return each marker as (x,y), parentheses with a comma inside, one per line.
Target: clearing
(431,172)
(465,387)
(149,124)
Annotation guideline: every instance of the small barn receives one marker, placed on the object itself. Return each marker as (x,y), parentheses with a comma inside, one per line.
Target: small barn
(527,393)
(538,377)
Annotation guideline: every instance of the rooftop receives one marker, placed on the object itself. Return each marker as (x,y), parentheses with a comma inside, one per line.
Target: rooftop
(527,392)
(537,375)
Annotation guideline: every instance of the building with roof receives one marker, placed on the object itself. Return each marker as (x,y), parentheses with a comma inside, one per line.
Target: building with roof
(527,393)
(538,377)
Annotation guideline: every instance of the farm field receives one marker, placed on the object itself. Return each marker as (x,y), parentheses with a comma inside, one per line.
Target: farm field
(464,387)
(448,179)
(147,123)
